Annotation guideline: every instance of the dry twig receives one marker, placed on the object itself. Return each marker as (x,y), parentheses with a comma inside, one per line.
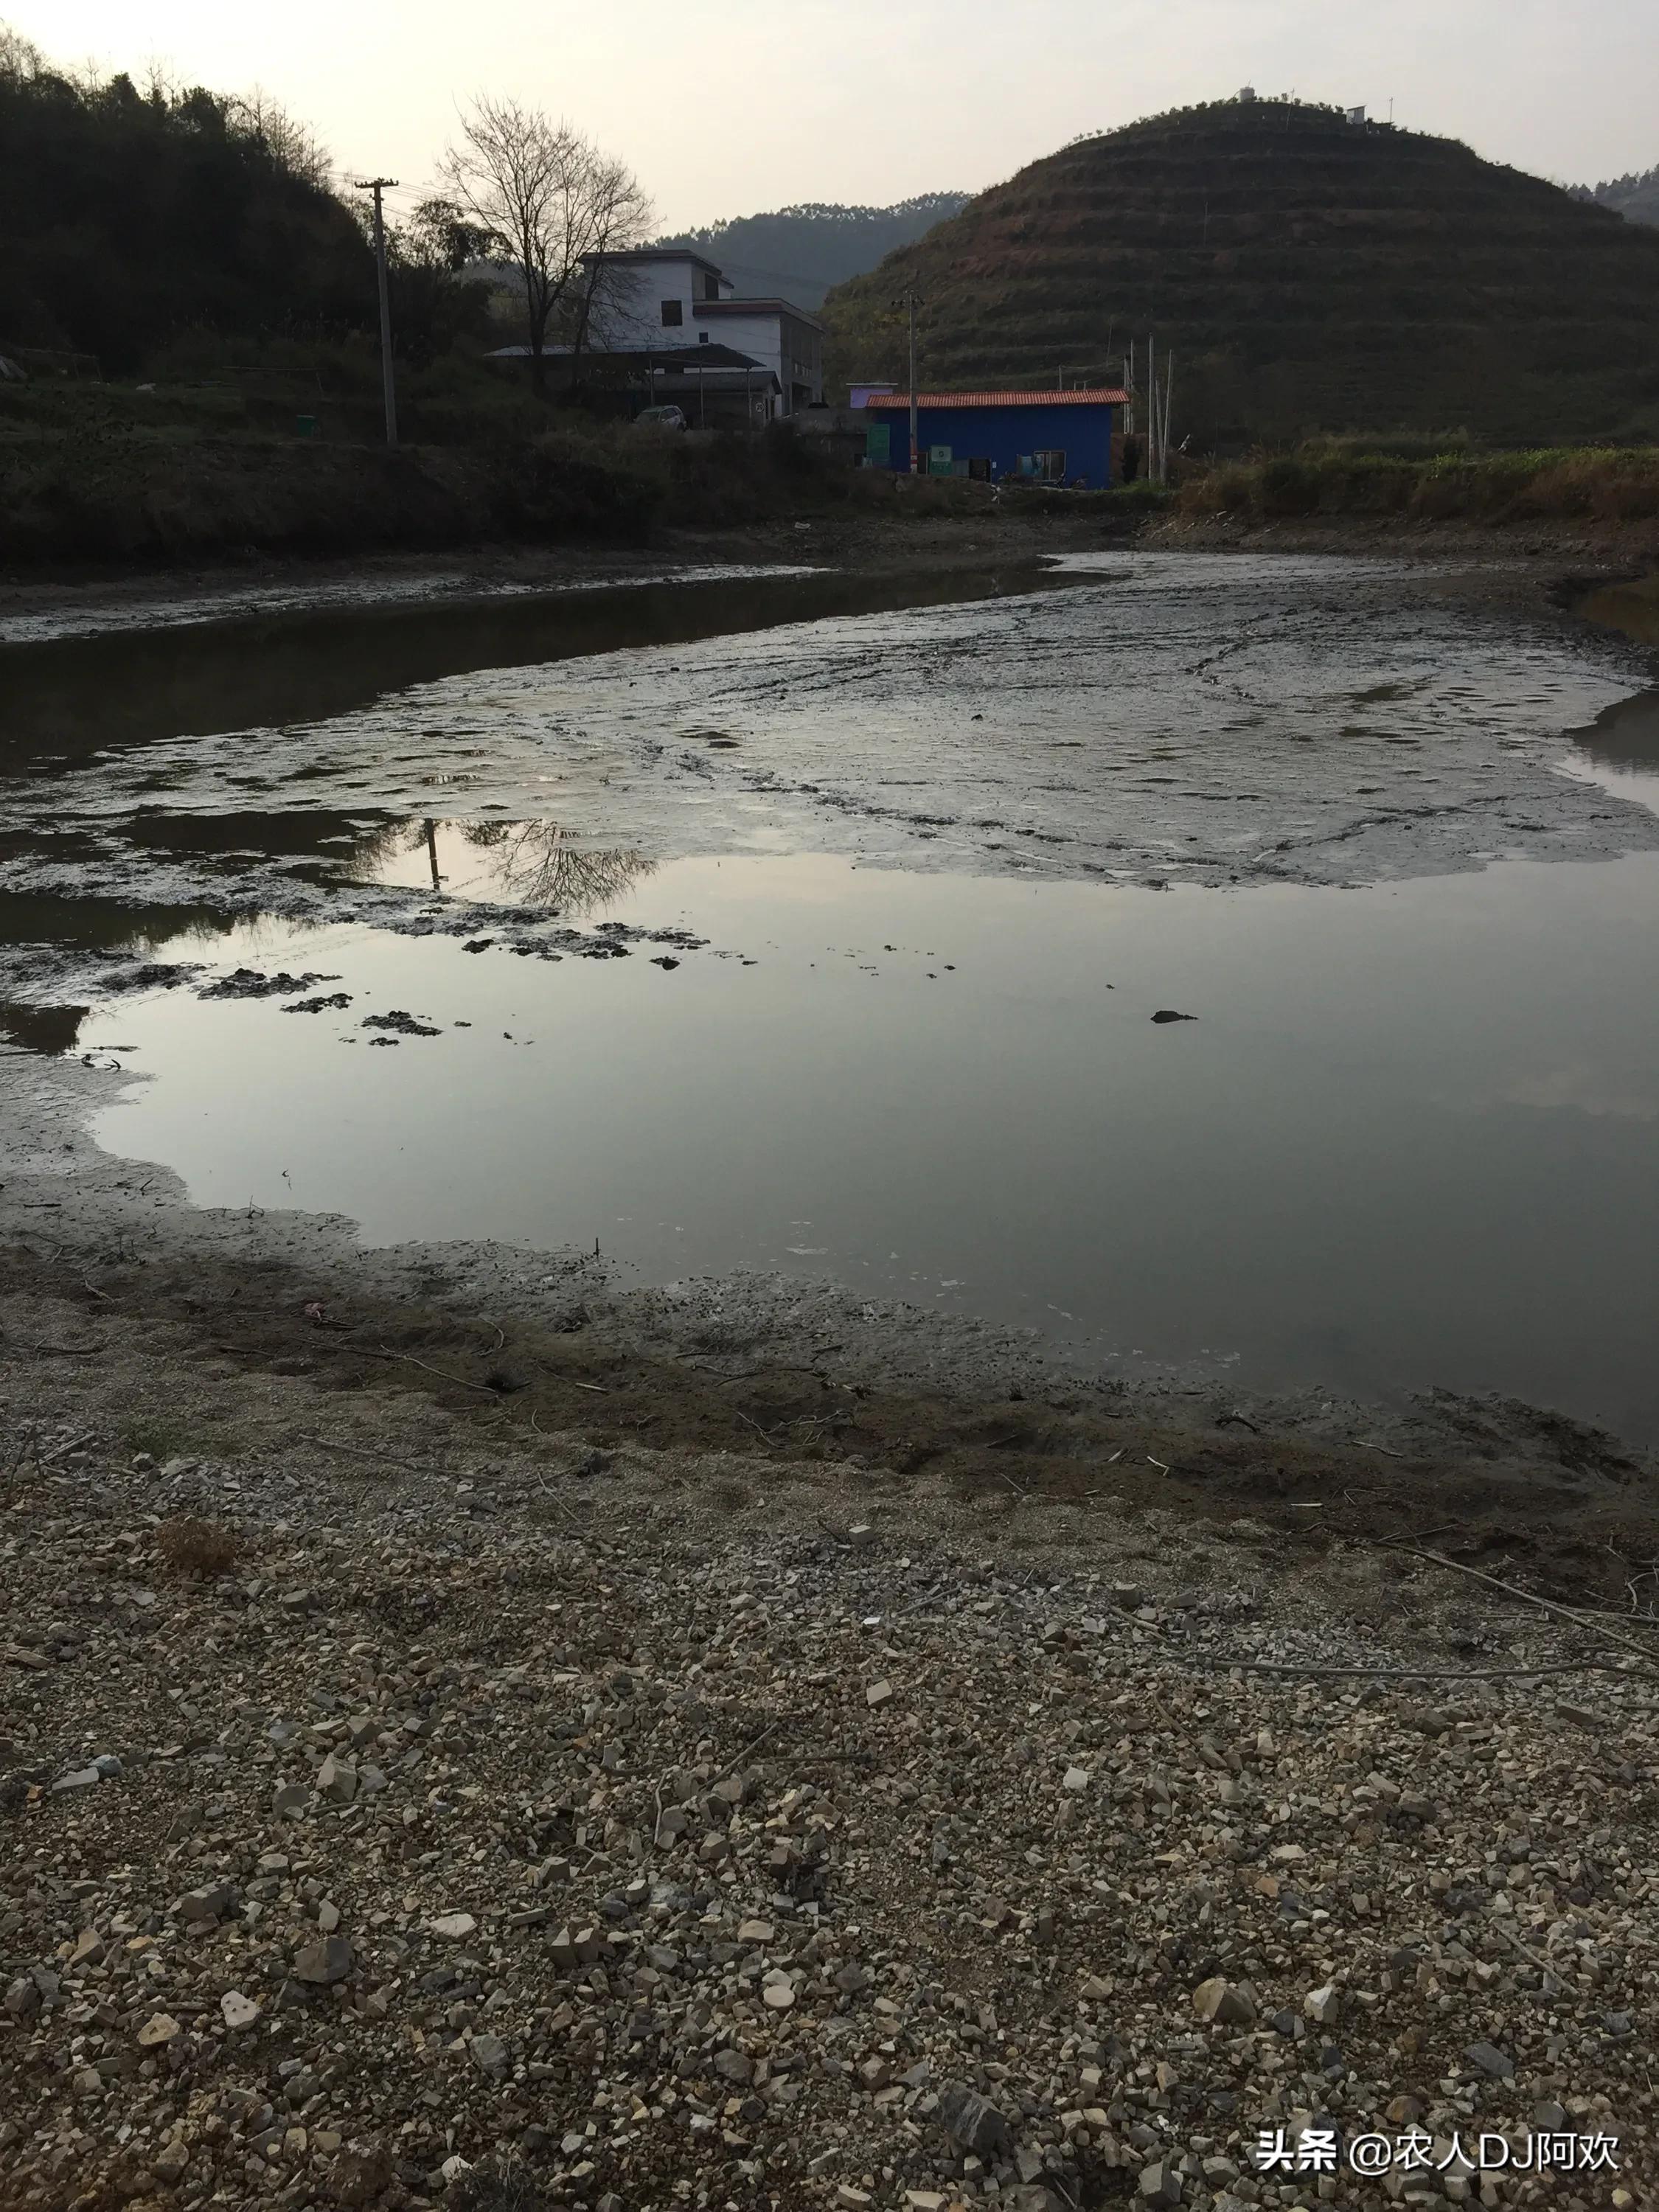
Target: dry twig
(1544,1604)
(442,1373)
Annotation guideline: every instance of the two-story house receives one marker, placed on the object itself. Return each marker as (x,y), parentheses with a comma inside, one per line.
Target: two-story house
(664,298)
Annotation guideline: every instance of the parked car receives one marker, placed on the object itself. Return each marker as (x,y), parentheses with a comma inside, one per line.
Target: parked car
(663,418)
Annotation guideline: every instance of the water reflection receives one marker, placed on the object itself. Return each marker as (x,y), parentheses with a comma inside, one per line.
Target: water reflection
(63,700)
(527,864)
(52,1030)
(539,864)
(1620,749)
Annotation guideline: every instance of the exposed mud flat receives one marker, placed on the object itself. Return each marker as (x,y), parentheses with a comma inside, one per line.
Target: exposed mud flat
(1217,720)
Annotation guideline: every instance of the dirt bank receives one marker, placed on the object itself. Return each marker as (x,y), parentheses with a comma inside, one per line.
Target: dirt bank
(923,526)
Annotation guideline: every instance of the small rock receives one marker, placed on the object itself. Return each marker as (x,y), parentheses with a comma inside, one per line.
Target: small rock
(453,1926)
(968,2119)
(1160,2183)
(1076,1777)
(1490,2060)
(1219,2001)
(171,2161)
(161,2027)
(239,2011)
(1323,2006)
(23,1997)
(336,1781)
(80,1778)
(756,1931)
(204,1907)
(878,1694)
(491,2056)
(324,1962)
(779,1995)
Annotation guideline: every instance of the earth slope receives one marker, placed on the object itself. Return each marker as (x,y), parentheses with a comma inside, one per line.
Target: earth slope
(1310,274)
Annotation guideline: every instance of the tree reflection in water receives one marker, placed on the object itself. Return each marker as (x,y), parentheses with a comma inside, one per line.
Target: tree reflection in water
(539,864)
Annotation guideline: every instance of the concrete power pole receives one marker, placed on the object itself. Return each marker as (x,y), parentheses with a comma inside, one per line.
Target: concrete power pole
(388,384)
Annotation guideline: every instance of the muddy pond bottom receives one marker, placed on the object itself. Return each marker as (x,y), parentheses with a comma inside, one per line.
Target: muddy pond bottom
(1408,1137)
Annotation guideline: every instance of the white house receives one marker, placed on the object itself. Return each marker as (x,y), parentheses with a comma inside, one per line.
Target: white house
(665,298)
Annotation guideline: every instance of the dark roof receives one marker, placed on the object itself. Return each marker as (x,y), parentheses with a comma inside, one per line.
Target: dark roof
(658,253)
(756,306)
(678,381)
(1106,396)
(707,356)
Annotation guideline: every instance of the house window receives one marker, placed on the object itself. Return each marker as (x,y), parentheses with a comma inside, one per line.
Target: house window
(711,288)
(1050,464)
(702,338)
(673,314)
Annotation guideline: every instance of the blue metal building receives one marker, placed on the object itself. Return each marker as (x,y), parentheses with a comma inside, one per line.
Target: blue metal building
(1049,437)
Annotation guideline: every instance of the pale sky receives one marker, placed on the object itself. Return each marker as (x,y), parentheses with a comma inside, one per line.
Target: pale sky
(724,107)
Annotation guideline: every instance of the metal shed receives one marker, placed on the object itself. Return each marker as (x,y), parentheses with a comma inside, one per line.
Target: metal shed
(1049,437)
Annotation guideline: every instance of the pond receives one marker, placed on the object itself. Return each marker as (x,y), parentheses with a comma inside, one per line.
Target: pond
(834,944)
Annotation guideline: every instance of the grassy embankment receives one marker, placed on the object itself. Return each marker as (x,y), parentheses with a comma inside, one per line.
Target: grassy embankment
(1344,479)
(289,458)
(96,472)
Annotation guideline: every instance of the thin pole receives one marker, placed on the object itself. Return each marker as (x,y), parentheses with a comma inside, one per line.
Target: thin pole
(915,411)
(1169,388)
(1151,409)
(388,383)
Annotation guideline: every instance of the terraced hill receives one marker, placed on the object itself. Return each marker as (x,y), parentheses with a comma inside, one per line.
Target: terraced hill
(1310,274)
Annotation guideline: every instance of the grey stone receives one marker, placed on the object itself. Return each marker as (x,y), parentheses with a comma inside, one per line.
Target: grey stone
(491,2056)
(1160,2183)
(968,2119)
(337,1780)
(203,1907)
(106,1766)
(1490,2060)
(1218,1999)
(734,2066)
(79,1777)
(324,1962)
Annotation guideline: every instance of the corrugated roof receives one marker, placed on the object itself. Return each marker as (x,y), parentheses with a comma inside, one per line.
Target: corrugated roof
(1102,397)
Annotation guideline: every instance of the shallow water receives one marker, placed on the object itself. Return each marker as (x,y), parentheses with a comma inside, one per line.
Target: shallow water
(944,862)
(1402,1142)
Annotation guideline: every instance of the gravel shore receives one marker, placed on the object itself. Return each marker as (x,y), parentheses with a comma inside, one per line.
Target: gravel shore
(399,1813)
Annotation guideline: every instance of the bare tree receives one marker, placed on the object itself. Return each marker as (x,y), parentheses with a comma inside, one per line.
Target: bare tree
(621,218)
(548,199)
(542,866)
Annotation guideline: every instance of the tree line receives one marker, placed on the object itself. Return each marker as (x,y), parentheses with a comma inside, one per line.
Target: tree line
(137,214)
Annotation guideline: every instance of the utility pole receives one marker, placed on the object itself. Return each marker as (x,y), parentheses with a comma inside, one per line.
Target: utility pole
(1169,389)
(912,301)
(388,386)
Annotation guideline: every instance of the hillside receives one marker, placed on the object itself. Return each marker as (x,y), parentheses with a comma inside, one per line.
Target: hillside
(1636,198)
(798,252)
(1309,274)
(131,216)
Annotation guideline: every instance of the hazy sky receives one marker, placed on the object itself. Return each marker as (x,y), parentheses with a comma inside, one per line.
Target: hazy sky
(726,107)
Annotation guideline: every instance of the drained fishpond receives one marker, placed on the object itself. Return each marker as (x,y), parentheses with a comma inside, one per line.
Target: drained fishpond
(1223,965)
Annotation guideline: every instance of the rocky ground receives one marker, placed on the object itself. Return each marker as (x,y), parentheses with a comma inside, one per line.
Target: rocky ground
(407,1806)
